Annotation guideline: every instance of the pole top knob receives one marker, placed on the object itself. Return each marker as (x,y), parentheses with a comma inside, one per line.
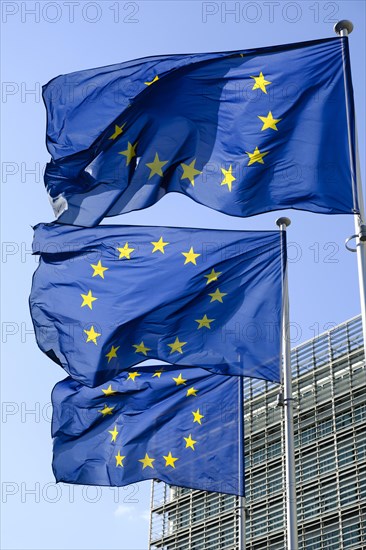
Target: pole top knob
(343,25)
(283,221)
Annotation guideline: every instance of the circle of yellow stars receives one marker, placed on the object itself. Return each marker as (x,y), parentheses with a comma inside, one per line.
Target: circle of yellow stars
(189,170)
(127,252)
(147,461)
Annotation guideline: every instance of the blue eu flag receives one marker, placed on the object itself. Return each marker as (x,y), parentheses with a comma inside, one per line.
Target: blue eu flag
(179,426)
(106,298)
(241,132)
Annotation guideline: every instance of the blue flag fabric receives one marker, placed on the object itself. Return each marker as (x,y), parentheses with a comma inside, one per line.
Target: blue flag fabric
(106,298)
(241,132)
(179,426)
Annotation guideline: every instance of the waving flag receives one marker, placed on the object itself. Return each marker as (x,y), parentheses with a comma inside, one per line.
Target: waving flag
(106,298)
(179,426)
(241,132)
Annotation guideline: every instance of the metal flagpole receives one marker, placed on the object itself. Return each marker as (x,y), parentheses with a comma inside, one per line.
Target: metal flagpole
(291,508)
(241,462)
(344,28)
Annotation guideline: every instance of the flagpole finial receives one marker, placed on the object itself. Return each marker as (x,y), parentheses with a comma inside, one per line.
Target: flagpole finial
(343,27)
(283,221)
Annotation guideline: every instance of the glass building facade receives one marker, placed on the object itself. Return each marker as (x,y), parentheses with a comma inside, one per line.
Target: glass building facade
(329,389)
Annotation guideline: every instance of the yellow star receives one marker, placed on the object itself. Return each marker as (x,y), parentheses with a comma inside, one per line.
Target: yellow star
(176,346)
(109,390)
(190,257)
(189,442)
(260,82)
(117,131)
(88,299)
(156,166)
(141,348)
(125,252)
(197,416)
(217,296)
(147,461)
(256,156)
(213,276)
(112,353)
(159,245)
(192,391)
(157,373)
(132,375)
(92,335)
(129,153)
(180,380)
(155,79)
(269,121)
(169,460)
(119,459)
(204,322)
(189,171)
(114,434)
(106,410)
(229,178)
(99,269)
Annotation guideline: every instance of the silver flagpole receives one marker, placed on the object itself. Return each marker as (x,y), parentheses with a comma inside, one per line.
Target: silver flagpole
(344,28)
(241,462)
(291,508)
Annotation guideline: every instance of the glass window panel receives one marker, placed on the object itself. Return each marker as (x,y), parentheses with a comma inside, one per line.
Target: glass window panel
(363,489)
(305,382)
(324,390)
(325,427)
(311,509)
(258,489)
(212,542)
(259,526)
(275,483)
(309,471)
(343,420)
(309,466)
(228,502)
(212,505)
(198,545)
(258,441)
(325,412)
(259,456)
(259,421)
(274,449)
(351,535)
(307,399)
(328,497)
(342,383)
(331,539)
(346,453)
(313,542)
(198,512)
(360,413)
(247,461)
(348,492)
(326,459)
(308,435)
(355,334)
(275,517)
(358,376)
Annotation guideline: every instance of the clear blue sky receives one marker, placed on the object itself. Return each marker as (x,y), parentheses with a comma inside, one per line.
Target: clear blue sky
(61,37)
